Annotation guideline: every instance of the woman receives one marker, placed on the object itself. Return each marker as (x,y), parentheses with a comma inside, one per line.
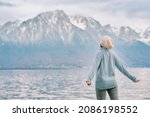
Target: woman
(104,68)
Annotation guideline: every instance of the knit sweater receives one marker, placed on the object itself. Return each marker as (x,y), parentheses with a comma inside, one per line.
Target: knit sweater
(104,69)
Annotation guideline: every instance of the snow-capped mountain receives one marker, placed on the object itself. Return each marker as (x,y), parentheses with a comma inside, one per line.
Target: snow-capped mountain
(111,29)
(58,26)
(49,25)
(124,33)
(90,26)
(145,36)
(147,33)
(55,39)
(54,26)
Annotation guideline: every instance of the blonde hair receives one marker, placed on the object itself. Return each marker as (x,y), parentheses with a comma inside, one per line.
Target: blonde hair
(106,42)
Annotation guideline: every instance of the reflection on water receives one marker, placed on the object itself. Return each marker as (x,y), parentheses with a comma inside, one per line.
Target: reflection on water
(66,84)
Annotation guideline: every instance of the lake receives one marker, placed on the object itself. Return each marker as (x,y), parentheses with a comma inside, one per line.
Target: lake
(67,84)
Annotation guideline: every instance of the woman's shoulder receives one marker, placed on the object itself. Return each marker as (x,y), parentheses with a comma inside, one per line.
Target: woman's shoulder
(99,52)
(112,53)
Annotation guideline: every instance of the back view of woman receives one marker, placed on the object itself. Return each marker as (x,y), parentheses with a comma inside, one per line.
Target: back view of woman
(104,69)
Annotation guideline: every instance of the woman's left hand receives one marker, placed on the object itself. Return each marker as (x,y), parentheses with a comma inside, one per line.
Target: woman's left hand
(136,81)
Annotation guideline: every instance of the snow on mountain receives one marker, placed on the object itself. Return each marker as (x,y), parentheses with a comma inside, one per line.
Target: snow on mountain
(92,28)
(8,28)
(112,29)
(147,33)
(108,27)
(54,38)
(49,25)
(79,21)
(85,22)
(145,41)
(145,36)
(128,34)
(58,26)
(52,26)
(123,33)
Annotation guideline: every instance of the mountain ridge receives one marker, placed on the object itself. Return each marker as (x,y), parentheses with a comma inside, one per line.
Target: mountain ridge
(55,39)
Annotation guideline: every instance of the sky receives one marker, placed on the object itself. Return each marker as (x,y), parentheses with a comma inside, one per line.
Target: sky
(133,13)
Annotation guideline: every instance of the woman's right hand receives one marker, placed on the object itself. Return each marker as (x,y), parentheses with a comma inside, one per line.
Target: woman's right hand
(88,82)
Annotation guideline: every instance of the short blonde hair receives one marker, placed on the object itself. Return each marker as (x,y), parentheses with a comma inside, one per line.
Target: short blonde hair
(106,42)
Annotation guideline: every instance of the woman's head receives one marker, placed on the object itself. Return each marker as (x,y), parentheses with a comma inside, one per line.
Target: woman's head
(106,42)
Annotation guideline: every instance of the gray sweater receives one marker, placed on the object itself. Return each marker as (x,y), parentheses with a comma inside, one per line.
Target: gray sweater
(104,69)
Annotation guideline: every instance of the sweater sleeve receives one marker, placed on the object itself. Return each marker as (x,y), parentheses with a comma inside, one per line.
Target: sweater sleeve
(122,69)
(95,66)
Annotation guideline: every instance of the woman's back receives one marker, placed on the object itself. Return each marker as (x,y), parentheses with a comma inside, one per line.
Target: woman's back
(107,67)
(105,75)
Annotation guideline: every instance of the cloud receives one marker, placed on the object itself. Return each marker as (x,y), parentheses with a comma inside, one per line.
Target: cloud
(62,2)
(129,12)
(6,4)
(131,8)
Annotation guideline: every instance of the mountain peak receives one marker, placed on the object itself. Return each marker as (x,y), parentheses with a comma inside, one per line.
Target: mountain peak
(54,13)
(12,23)
(84,22)
(127,33)
(59,11)
(147,33)
(53,16)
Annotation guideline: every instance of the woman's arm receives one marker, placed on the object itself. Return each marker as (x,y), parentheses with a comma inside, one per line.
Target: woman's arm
(122,68)
(95,66)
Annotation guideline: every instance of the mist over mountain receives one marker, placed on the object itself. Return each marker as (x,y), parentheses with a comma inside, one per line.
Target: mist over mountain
(55,39)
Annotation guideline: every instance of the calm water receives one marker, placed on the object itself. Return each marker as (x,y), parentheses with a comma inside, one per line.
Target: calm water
(67,84)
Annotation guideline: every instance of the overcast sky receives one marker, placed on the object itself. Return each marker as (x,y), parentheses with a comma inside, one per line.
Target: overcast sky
(134,13)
